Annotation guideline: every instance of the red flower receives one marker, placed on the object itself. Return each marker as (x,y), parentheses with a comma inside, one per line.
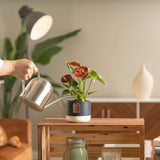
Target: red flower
(66,78)
(74,63)
(82,71)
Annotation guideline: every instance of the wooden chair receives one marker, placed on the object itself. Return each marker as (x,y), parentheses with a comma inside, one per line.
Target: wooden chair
(21,128)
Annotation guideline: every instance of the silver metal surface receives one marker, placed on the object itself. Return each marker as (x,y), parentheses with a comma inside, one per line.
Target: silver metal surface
(38,93)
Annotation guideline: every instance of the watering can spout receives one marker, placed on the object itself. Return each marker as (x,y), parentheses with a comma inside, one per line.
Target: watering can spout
(57,100)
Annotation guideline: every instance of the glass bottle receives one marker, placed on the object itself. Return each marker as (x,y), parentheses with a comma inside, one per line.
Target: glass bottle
(75,149)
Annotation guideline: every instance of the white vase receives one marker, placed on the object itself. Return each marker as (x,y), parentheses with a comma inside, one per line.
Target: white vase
(143,84)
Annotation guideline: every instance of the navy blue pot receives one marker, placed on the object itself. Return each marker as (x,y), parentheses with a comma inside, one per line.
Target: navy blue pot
(78,111)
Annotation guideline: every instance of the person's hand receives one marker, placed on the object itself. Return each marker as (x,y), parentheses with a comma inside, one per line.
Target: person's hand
(21,68)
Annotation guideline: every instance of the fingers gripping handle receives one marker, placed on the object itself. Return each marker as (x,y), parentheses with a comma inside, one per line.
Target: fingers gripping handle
(23,81)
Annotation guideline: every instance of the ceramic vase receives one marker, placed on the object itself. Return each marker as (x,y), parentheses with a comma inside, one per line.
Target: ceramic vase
(78,111)
(75,149)
(143,84)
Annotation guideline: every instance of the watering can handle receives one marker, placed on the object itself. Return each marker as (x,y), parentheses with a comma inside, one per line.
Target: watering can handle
(23,81)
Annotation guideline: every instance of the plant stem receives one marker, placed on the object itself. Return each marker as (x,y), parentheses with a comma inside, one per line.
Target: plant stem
(88,88)
(79,83)
(83,89)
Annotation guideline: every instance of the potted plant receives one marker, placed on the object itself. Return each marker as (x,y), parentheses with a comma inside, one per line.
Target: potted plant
(41,55)
(79,109)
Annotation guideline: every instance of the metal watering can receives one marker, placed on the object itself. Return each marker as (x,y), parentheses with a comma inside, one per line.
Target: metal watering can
(38,93)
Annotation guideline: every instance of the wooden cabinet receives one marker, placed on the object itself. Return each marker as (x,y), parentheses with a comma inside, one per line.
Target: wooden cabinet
(130,108)
(113,110)
(151,114)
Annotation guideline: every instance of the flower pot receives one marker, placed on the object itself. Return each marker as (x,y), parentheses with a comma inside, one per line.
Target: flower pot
(78,111)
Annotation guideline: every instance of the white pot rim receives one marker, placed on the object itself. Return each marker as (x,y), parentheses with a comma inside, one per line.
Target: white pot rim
(78,118)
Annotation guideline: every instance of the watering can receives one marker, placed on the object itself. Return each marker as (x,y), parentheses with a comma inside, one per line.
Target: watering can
(37,93)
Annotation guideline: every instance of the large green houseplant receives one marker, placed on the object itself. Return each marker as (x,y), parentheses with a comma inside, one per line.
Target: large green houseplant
(41,55)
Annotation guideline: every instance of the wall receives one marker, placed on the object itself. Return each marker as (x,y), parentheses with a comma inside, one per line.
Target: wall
(117,37)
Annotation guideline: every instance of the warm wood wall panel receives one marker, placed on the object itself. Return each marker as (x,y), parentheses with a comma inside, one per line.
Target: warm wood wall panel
(116,110)
(151,113)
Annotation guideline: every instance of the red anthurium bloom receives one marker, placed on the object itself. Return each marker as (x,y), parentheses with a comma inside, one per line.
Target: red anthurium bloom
(74,63)
(82,71)
(66,78)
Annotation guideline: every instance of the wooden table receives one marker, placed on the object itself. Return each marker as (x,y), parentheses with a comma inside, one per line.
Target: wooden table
(52,133)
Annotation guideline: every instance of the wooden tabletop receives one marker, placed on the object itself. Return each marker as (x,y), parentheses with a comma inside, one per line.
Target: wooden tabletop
(94,121)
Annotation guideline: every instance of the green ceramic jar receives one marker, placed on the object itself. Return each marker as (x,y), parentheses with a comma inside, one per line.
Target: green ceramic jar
(75,149)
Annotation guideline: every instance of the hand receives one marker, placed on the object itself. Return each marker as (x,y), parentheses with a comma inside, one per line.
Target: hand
(21,68)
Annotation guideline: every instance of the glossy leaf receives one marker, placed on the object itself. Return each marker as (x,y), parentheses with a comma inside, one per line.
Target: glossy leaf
(21,46)
(65,92)
(66,60)
(9,82)
(23,28)
(91,92)
(40,48)
(45,56)
(96,76)
(71,69)
(73,82)
(8,50)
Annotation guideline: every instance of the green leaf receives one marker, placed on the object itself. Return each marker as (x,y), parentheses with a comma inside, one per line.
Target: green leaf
(71,69)
(65,92)
(73,82)
(21,44)
(77,89)
(66,60)
(91,92)
(46,55)
(56,85)
(9,82)
(7,50)
(43,46)
(65,84)
(23,28)
(96,76)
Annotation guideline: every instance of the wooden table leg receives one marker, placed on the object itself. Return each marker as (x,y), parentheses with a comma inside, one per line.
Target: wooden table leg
(142,143)
(39,142)
(43,143)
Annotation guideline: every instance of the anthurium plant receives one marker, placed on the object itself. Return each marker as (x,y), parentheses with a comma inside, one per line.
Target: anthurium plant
(76,81)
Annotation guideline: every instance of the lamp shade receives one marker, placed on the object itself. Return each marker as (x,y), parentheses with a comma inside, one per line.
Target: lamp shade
(38,23)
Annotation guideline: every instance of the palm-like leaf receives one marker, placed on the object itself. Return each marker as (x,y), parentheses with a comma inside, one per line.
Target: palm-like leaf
(46,55)
(8,50)
(21,46)
(49,48)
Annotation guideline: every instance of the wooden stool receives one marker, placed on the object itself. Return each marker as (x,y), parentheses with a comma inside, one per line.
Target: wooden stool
(52,133)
